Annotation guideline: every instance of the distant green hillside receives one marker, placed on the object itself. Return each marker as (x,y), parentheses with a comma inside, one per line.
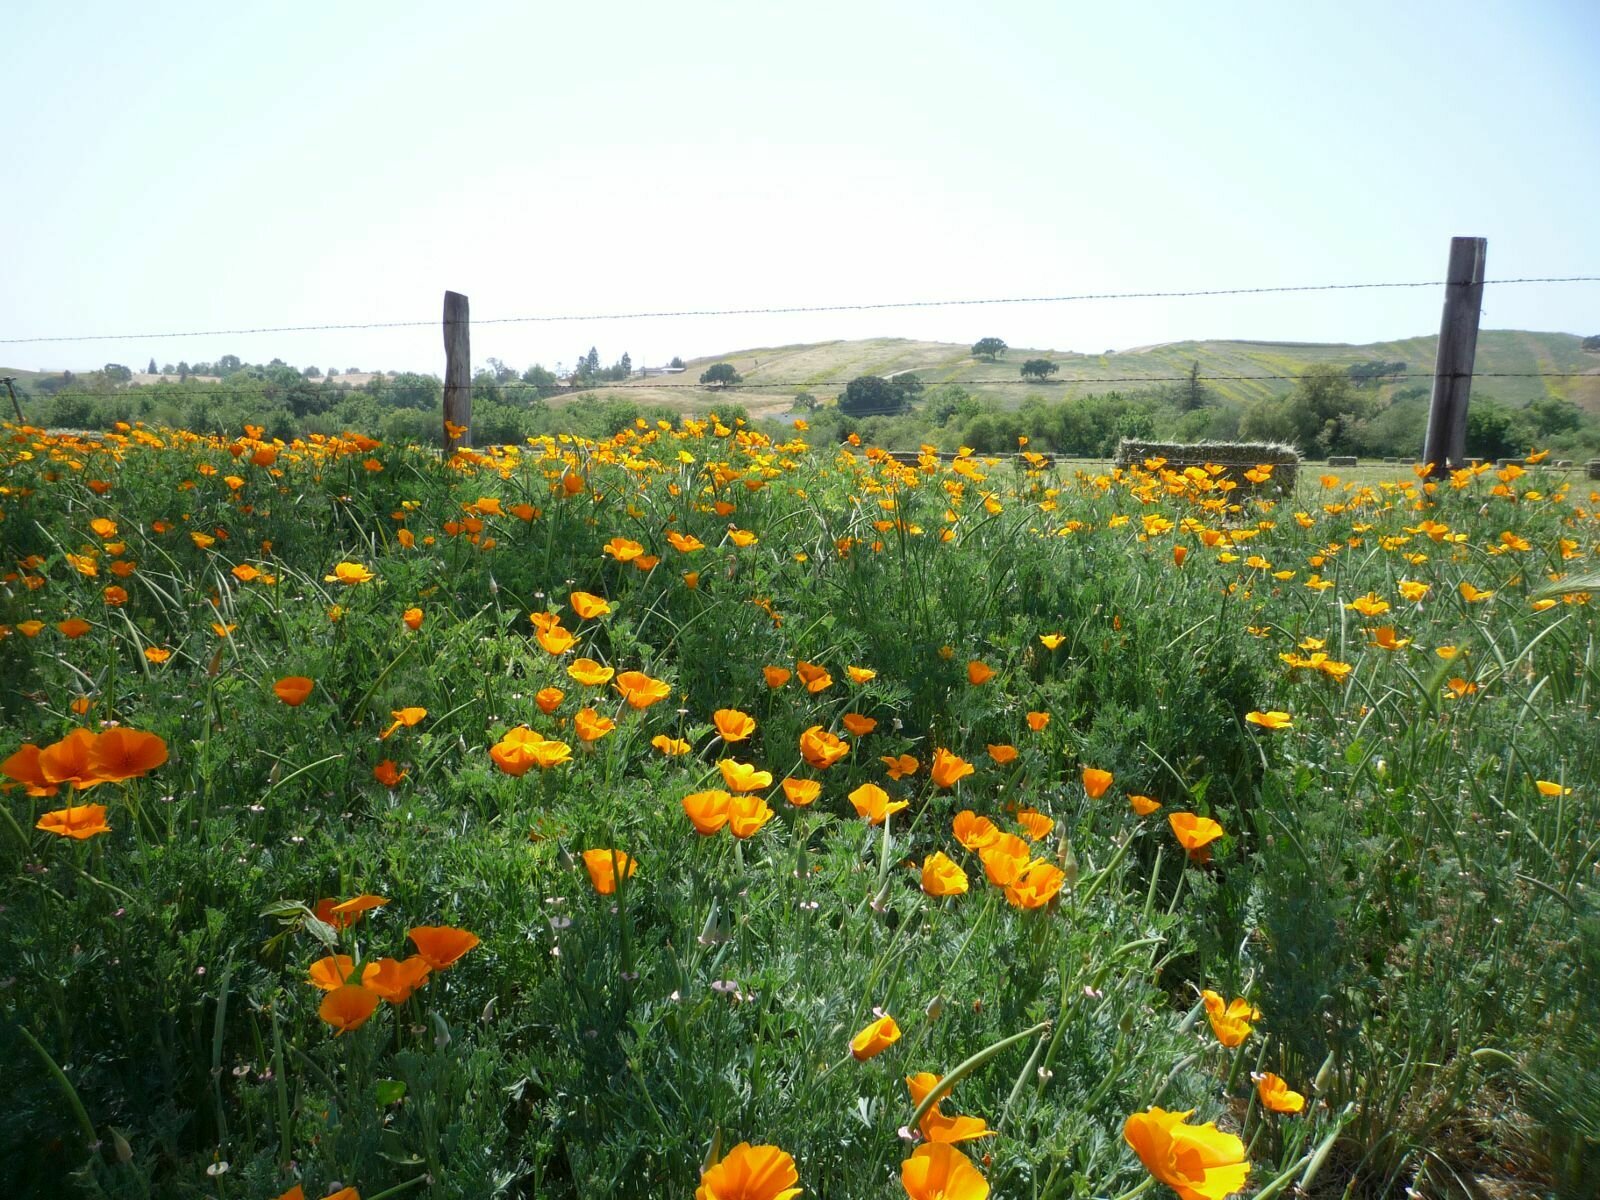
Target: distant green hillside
(824,368)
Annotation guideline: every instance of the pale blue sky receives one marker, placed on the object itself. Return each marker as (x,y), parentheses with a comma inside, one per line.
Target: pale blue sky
(194,166)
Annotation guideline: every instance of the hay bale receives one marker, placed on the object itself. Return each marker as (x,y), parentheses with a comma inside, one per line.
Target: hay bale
(1593,468)
(1343,460)
(1562,464)
(1234,457)
(1510,462)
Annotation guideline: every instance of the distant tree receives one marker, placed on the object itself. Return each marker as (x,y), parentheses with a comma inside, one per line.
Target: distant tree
(592,361)
(332,371)
(1039,368)
(541,381)
(116,372)
(804,402)
(1192,394)
(277,362)
(1492,430)
(625,364)
(908,384)
(989,347)
(312,372)
(501,372)
(169,369)
(151,369)
(676,363)
(352,370)
(1371,372)
(229,363)
(183,370)
(871,395)
(1591,343)
(1551,415)
(720,375)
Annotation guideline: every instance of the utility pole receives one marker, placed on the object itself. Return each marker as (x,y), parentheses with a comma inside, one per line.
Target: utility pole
(1445,445)
(457,372)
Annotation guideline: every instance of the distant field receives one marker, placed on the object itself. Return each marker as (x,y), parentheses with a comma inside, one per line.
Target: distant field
(824,368)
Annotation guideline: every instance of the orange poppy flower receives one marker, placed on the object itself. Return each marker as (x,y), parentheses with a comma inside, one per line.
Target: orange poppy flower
(1035,824)
(942,876)
(347,912)
(1276,1095)
(822,749)
(1195,834)
(556,640)
(873,803)
(972,831)
(293,689)
(441,945)
(1036,886)
(1003,753)
(549,699)
(349,574)
(115,596)
(948,769)
(74,627)
(899,765)
(1143,805)
(521,749)
(750,1173)
(70,760)
(590,726)
(733,725)
(590,673)
(120,753)
(707,811)
(860,674)
(622,549)
(639,690)
(1269,720)
(348,1007)
(1095,782)
(815,677)
(858,724)
(1005,859)
(23,766)
(776,677)
(395,980)
(412,618)
(801,792)
(331,972)
(684,543)
(409,717)
(603,866)
(157,654)
(1038,720)
(388,773)
(935,1125)
(1198,1162)
(938,1171)
(747,814)
(670,746)
(743,777)
(79,822)
(588,606)
(979,673)
(1230,1019)
(874,1039)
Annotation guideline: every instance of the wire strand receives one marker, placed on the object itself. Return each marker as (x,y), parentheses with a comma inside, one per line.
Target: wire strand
(784,309)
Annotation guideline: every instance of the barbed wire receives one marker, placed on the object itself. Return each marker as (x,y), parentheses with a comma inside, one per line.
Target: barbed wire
(789,309)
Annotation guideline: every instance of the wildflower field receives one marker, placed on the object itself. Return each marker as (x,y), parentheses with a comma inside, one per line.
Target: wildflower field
(696,813)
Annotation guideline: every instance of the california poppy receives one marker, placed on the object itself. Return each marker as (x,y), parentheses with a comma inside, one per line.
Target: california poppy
(521,749)
(408,717)
(348,1007)
(549,699)
(1036,886)
(1038,720)
(707,811)
(349,573)
(874,1039)
(1199,1162)
(1035,824)
(858,724)
(948,769)
(873,803)
(822,749)
(331,972)
(733,725)
(1002,754)
(979,673)
(938,1171)
(412,619)
(1230,1019)
(589,673)
(556,640)
(388,773)
(815,677)
(1095,782)
(70,760)
(935,1126)
(670,746)
(603,866)
(640,690)
(622,549)
(776,677)
(972,831)
(750,1173)
(900,765)
(743,777)
(747,814)
(860,674)
(395,980)
(293,689)
(591,726)
(1195,834)
(801,792)
(1269,720)
(942,876)
(588,606)
(1143,805)
(1005,859)
(1276,1095)
(441,945)
(77,821)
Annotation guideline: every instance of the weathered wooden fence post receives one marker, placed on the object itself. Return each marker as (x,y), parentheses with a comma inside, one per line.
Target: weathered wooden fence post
(1445,445)
(457,372)
(14,404)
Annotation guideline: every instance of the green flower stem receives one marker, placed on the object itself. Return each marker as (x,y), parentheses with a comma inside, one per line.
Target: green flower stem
(940,1090)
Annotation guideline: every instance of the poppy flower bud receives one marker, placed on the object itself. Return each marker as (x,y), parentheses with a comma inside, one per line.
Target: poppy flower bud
(935,1008)
(120,1144)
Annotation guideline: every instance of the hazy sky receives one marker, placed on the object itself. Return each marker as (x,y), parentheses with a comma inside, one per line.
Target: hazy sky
(198,166)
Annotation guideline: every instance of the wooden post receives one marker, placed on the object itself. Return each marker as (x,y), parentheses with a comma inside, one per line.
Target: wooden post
(14,404)
(457,372)
(1445,445)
